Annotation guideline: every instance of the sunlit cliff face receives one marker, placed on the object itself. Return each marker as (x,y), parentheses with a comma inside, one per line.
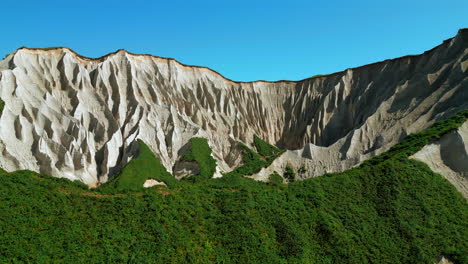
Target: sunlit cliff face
(75,117)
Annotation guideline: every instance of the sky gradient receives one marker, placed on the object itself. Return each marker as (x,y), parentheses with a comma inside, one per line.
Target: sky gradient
(243,40)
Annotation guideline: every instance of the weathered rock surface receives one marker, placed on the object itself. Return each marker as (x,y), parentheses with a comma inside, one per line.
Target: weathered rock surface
(449,158)
(152,182)
(184,168)
(76,117)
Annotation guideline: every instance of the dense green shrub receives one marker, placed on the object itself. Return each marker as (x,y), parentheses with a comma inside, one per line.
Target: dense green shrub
(263,148)
(200,152)
(144,166)
(289,174)
(275,179)
(253,162)
(394,211)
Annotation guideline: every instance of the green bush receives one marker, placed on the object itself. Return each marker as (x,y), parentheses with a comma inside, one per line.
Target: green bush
(275,179)
(253,162)
(394,211)
(263,148)
(289,174)
(200,152)
(144,166)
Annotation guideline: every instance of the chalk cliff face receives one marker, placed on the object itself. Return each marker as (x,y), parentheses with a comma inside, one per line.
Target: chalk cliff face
(76,117)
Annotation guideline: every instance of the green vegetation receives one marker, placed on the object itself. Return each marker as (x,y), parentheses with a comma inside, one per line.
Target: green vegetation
(289,174)
(253,162)
(389,210)
(275,179)
(2,106)
(265,149)
(137,171)
(318,76)
(414,142)
(200,152)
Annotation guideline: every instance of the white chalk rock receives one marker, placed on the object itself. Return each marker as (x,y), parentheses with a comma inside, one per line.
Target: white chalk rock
(75,117)
(152,182)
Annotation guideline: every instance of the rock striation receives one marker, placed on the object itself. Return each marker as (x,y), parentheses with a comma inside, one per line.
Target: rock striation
(70,116)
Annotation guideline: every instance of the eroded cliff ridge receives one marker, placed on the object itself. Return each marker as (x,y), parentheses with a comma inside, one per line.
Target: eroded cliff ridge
(70,116)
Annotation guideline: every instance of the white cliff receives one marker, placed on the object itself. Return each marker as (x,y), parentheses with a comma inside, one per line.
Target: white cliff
(70,116)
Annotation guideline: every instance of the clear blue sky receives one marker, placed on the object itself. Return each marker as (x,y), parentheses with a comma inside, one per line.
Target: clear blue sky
(243,40)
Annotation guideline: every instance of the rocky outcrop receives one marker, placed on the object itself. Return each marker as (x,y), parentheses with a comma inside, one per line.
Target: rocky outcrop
(152,182)
(184,168)
(76,117)
(449,157)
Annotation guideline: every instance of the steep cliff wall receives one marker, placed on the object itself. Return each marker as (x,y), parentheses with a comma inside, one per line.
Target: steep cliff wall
(76,117)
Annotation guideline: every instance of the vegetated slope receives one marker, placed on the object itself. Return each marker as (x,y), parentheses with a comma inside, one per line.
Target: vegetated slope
(75,117)
(449,157)
(200,152)
(143,167)
(253,162)
(388,210)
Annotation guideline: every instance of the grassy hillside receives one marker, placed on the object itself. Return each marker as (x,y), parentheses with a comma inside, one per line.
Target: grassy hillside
(265,149)
(389,210)
(253,162)
(200,152)
(138,170)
